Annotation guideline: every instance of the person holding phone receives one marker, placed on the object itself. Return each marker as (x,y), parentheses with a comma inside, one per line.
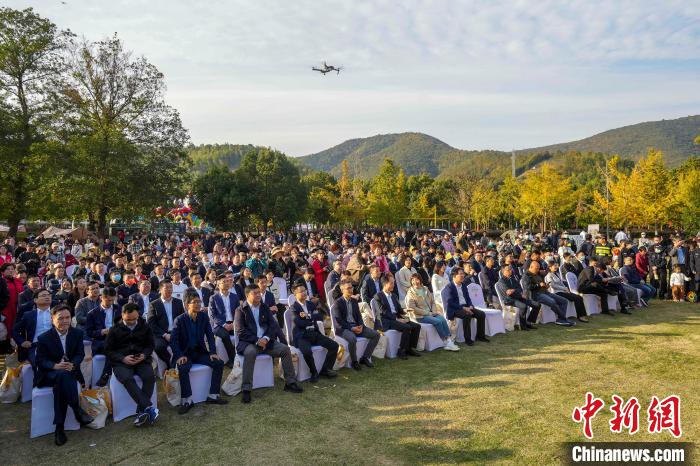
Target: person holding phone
(129,346)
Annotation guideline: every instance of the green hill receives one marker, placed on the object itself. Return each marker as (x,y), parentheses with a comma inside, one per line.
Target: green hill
(207,155)
(673,137)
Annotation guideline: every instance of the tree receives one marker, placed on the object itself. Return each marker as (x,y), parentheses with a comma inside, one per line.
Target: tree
(622,197)
(126,143)
(31,56)
(271,184)
(387,196)
(217,198)
(687,200)
(650,182)
(323,193)
(544,197)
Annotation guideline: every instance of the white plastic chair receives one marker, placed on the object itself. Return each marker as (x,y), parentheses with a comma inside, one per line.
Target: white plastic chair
(359,347)
(42,413)
(494,317)
(263,372)
(590,301)
(280,284)
(98,365)
(318,352)
(221,349)
(393,336)
(27,382)
(546,315)
(459,334)
(200,381)
(123,405)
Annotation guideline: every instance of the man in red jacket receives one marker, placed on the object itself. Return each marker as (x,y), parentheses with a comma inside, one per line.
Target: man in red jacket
(641,262)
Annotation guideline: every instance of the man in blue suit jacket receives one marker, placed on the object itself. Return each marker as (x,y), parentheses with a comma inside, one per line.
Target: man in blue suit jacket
(97,325)
(204,293)
(256,328)
(192,342)
(144,297)
(349,325)
(27,330)
(392,317)
(455,298)
(307,334)
(222,309)
(371,284)
(59,353)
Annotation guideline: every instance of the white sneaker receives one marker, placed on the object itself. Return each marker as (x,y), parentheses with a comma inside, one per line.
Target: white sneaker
(449,346)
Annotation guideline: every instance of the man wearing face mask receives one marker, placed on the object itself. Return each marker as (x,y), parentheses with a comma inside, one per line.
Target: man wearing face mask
(126,289)
(658,262)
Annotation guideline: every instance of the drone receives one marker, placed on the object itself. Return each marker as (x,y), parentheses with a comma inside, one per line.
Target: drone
(328,69)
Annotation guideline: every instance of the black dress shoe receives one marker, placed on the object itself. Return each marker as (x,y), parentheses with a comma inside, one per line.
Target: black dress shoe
(293,387)
(329,374)
(401,355)
(356,366)
(531,326)
(216,401)
(413,353)
(625,311)
(484,339)
(366,362)
(83,418)
(103,380)
(184,408)
(245,396)
(314,377)
(609,313)
(60,437)
(469,343)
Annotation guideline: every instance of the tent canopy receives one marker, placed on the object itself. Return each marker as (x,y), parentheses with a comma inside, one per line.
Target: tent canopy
(80,233)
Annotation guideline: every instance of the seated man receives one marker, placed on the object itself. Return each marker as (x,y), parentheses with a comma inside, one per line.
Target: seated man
(192,342)
(256,328)
(455,300)
(144,297)
(59,353)
(161,314)
(129,346)
(203,292)
(33,324)
(268,298)
(534,283)
(557,286)
(127,289)
(348,325)
(222,309)
(306,334)
(393,317)
(371,284)
(633,278)
(99,321)
(87,304)
(592,280)
(512,293)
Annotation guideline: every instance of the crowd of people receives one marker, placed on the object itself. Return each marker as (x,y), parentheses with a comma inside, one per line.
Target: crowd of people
(171,297)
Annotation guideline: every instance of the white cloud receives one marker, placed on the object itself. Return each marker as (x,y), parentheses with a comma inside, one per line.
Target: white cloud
(476,74)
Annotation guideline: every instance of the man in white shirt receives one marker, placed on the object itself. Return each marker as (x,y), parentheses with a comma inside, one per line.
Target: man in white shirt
(161,314)
(27,330)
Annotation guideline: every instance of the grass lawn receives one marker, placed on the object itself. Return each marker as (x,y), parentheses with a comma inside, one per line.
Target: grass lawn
(509,401)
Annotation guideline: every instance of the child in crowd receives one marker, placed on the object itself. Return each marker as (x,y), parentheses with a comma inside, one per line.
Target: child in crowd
(677,284)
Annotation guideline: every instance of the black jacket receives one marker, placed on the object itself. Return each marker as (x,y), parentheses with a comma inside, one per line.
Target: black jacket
(122,342)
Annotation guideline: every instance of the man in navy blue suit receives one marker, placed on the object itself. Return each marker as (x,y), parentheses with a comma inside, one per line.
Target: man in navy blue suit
(204,293)
(59,352)
(306,334)
(256,328)
(144,297)
(222,309)
(192,342)
(349,325)
(371,284)
(458,305)
(27,330)
(161,314)
(393,317)
(97,325)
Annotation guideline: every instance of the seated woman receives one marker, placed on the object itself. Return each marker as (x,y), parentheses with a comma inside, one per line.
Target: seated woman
(420,301)
(440,279)
(557,286)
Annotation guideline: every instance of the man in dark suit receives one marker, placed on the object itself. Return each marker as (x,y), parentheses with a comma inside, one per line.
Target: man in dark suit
(222,309)
(370,284)
(59,353)
(508,287)
(144,297)
(129,346)
(256,329)
(161,314)
(592,280)
(311,288)
(348,325)
(393,317)
(574,264)
(25,300)
(193,343)
(33,324)
(306,333)
(97,325)
(455,299)
(204,293)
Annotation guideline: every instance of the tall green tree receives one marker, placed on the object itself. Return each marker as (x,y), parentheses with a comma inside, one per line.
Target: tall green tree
(31,57)
(387,197)
(323,194)
(218,199)
(127,145)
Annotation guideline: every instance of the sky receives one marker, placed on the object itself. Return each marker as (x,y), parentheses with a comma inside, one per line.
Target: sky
(476,74)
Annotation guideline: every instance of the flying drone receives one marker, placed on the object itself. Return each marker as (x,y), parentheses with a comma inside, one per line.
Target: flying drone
(327,69)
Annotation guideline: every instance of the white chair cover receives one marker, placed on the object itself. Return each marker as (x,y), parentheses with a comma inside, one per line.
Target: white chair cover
(122,404)
(494,317)
(27,383)
(98,365)
(42,413)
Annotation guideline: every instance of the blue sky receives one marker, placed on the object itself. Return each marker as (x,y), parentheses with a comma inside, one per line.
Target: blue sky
(475,74)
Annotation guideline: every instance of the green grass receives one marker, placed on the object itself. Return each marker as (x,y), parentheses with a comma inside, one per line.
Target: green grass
(509,401)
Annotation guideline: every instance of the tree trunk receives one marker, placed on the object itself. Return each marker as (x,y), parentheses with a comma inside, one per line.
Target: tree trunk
(102,223)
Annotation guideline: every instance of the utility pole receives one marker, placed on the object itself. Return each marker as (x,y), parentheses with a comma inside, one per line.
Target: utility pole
(607,201)
(512,163)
